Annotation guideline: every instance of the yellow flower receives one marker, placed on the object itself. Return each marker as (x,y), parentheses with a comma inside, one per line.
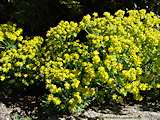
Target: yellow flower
(50,97)
(19,31)
(138,97)
(92,91)
(128,87)
(107,14)
(75,83)
(139,71)
(18,74)
(125,73)
(136,83)
(103,74)
(76,56)
(56,100)
(2,78)
(48,81)
(114,96)
(119,66)
(96,59)
(67,85)
(1,35)
(25,75)
(5,70)
(78,97)
(106,38)
(95,52)
(110,81)
(143,86)
(87,18)
(59,90)
(101,69)
(53,88)
(107,62)
(67,57)
(138,61)
(123,92)
(95,14)
(135,90)
(120,13)
(20,64)
(71,101)
(158,85)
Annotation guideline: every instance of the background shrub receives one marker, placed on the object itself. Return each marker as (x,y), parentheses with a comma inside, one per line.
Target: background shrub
(36,17)
(19,58)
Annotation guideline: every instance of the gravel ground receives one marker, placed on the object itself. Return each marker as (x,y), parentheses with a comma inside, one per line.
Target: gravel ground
(126,113)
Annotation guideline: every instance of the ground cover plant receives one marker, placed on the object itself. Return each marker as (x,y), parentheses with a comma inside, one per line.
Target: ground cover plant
(95,60)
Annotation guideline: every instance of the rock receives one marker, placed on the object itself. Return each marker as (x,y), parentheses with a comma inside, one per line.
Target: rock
(126,113)
(5,112)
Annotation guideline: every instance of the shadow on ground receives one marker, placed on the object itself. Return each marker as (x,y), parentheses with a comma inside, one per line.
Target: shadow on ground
(27,103)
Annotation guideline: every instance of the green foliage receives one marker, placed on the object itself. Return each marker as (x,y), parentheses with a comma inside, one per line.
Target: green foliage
(18,117)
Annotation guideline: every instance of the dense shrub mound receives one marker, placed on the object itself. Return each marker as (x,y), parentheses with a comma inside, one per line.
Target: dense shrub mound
(96,59)
(19,58)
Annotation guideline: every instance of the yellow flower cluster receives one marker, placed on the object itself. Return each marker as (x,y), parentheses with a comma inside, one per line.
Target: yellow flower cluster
(10,35)
(53,99)
(59,38)
(96,59)
(66,81)
(103,74)
(17,63)
(111,63)
(132,73)
(89,74)
(135,87)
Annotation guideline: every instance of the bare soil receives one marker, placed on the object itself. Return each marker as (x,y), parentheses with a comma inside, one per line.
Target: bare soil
(126,112)
(28,105)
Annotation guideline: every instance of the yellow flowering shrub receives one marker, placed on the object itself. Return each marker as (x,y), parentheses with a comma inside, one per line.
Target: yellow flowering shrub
(19,63)
(10,36)
(119,55)
(97,59)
